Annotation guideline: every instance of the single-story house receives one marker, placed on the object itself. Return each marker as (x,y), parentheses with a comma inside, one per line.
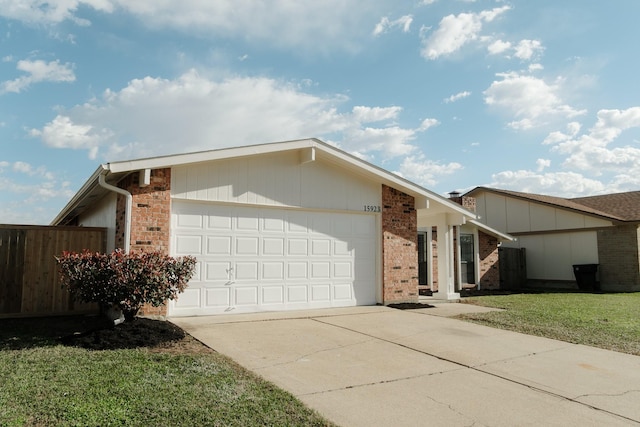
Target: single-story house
(560,235)
(283,226)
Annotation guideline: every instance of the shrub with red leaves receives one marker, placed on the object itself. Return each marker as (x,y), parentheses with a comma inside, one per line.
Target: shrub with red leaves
(125,280)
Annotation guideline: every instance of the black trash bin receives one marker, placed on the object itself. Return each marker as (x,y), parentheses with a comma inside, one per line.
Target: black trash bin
(586,276)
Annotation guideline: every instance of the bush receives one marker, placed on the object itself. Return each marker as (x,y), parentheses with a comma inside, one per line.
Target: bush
(125,280)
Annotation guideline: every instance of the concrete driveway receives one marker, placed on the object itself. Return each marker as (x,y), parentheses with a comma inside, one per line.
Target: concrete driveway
(378,366)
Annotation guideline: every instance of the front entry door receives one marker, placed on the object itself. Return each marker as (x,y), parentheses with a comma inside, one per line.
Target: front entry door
(467,258)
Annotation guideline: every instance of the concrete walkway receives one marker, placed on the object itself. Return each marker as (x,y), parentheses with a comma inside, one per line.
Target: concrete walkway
(378,366)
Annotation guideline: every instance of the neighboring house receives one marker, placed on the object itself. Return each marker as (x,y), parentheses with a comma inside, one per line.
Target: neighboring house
(281,226)
(558,233)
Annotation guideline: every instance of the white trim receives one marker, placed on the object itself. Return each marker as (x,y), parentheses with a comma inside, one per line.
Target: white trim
(129,206)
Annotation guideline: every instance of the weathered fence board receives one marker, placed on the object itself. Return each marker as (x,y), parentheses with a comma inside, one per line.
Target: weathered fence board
(29,282)
(513,268)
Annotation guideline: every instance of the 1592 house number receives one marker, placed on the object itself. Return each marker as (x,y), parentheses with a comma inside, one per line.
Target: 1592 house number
(372,208)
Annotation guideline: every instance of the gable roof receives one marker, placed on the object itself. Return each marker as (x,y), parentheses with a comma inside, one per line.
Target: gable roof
(624,207)
(112,173)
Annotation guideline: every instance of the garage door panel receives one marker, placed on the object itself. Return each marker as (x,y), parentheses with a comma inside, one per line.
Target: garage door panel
(297,222)
(190,298)
(273,294)
(321,292)
(188,245)
(253,259)
(217,271)
(297,247)
(218,245)
(273,246)
(189,220)
(342,248)
(342,291)
(246,246)
(245,223)
(321,225)
(274,223)
(246,270)
(342,270)
(218,297)
(297,270)
(320,247)
(297,293)
(246,295)
(320,270)
(219,222)
(273,270)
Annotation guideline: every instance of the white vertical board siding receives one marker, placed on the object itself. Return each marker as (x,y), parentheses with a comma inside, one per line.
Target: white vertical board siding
(277,179)
(514,215)
(102,214)
(552,256)
(259,259)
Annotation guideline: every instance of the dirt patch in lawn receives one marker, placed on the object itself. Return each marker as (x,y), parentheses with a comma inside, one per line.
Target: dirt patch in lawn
(97,333)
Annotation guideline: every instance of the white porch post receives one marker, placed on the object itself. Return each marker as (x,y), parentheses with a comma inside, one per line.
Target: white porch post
(446,282)
(458,260)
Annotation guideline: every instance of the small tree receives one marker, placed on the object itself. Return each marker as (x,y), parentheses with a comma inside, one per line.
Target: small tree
(125,280)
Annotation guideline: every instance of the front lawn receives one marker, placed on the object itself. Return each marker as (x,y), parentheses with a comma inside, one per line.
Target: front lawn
(609,321)
(153,376)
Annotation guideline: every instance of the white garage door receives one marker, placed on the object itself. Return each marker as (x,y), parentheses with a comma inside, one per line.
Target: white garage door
(262,259)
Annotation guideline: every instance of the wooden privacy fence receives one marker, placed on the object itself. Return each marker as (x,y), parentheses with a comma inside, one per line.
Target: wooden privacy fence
(513,268)
(29,282)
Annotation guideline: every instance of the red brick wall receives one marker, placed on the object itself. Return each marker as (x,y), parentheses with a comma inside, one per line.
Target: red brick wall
(489,261)
(469,203)
(399,247)
(150,218)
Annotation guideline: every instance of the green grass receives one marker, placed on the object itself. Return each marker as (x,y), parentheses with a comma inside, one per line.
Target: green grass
(609,321)
(45,383)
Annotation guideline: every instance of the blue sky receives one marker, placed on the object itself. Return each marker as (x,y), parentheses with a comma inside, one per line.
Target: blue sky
(539,96)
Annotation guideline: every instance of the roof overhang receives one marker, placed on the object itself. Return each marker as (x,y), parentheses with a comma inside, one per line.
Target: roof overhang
(311,149)
(492,231)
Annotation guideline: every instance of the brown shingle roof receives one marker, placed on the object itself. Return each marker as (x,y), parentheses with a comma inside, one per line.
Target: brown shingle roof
(620,206)
(625,206)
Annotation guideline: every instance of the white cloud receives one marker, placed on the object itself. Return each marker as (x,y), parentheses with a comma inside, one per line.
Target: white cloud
(375,114)
(283,23)
(591,152)
(153,116)
(498,47)
(528,99)
(456,97)
(428,123)
(38,71)
(50,12)
(386,25)
(542,164)
(419,169)
(527,49)
(61,132)
(559,184)
(454,31)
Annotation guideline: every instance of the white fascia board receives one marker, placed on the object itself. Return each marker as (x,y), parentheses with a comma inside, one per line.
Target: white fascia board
(500,235)
(206,156)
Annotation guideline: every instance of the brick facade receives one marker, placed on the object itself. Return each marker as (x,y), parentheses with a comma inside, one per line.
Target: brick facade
(619,258)
(399,247)
(150,218)
(489,261)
